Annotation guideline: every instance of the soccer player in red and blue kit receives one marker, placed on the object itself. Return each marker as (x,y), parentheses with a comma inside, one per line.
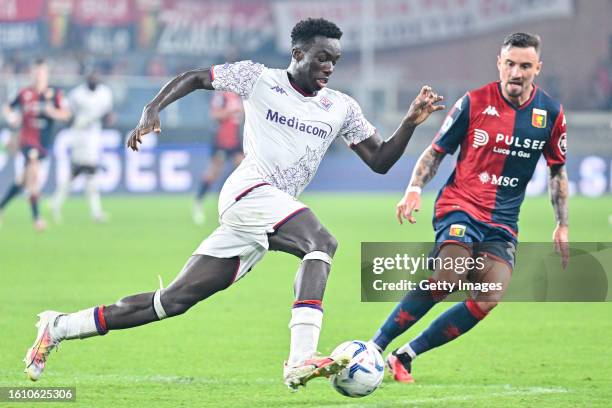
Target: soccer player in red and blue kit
(502,128)
(40,106)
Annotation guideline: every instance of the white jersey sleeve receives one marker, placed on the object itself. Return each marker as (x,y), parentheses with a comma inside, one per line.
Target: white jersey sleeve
(356,127)
(239,77)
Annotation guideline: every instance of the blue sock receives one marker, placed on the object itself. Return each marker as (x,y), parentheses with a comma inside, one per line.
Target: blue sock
(411,308)
(451,324)
(10,194)
(34,206)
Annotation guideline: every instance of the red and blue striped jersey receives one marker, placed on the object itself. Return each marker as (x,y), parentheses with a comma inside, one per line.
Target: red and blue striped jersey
(36,126)
(500,147)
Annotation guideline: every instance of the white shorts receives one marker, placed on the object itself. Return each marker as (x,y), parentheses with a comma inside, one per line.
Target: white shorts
(245,226)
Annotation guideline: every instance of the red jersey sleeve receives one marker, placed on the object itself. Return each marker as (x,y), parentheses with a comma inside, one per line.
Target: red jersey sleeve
(555,148)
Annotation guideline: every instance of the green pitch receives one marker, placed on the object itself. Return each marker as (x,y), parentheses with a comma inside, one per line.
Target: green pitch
(229,350)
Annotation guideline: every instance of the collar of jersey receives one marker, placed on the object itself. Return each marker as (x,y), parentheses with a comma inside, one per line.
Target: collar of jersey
(521,106)
(297,88)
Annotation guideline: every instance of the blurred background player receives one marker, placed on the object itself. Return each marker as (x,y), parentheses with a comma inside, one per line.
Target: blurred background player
(226,108)
(40,106)
(503,128)
(91,105)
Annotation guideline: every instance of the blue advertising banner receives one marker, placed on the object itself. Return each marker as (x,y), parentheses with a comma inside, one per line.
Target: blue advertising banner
(176,167)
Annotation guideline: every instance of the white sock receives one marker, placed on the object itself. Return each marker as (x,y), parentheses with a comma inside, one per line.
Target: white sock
(78,325)
(407,349)
(305,328)
(61,192)
(93,196)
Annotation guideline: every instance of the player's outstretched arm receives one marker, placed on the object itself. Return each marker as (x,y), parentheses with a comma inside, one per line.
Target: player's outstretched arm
(381,155)
(11,117)
(178,87)
(61,113)
(558,187)
(425,169)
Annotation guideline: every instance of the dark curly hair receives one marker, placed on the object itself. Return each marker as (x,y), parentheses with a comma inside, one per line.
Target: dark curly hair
(306,30)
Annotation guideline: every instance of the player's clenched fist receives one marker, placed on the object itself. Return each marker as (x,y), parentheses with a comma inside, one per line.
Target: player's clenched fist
(149,122)
(409,203)
(423,106)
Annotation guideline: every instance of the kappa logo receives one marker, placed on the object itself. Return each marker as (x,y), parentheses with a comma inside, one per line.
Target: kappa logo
(458,104)
(279,90)
(491,111)
(481,138)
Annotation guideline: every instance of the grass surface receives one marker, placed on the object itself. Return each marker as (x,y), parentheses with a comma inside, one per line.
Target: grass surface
(229,350)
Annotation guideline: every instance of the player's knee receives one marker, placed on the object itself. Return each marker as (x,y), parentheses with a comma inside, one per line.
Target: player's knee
(318,240)
(172,303)
(325,242)
(486,306)
(173,307)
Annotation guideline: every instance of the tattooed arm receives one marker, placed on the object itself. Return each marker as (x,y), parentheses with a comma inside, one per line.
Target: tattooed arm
(559,192)
(425,169)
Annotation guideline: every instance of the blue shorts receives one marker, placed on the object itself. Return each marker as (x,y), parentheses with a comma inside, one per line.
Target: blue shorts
(481,238)
(32,153)
(226,152)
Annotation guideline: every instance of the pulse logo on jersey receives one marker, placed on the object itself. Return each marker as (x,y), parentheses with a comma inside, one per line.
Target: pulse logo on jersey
(279,90)
(320,129)
(504,181)
(538,118)
(491,111)
(515,141)
(481,138)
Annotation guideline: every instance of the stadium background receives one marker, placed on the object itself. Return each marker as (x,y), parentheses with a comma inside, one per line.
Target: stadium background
(553,354)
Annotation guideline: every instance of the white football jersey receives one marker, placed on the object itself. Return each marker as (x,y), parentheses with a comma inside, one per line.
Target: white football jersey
(286,133)
(88,108)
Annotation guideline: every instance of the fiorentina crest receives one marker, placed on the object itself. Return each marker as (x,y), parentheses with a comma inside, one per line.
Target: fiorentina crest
(326,103)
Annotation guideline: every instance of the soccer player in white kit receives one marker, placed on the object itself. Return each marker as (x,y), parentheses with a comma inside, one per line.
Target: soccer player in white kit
(90,103)
(291,118)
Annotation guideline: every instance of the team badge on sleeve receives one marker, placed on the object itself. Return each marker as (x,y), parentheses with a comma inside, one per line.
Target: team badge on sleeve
(538,118)
(457,230)
(563,143)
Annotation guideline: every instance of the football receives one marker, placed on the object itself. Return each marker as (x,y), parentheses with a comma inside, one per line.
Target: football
(364,372)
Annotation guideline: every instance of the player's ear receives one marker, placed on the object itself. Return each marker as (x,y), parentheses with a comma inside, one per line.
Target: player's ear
(297,53)
(499,62)
(538,68)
